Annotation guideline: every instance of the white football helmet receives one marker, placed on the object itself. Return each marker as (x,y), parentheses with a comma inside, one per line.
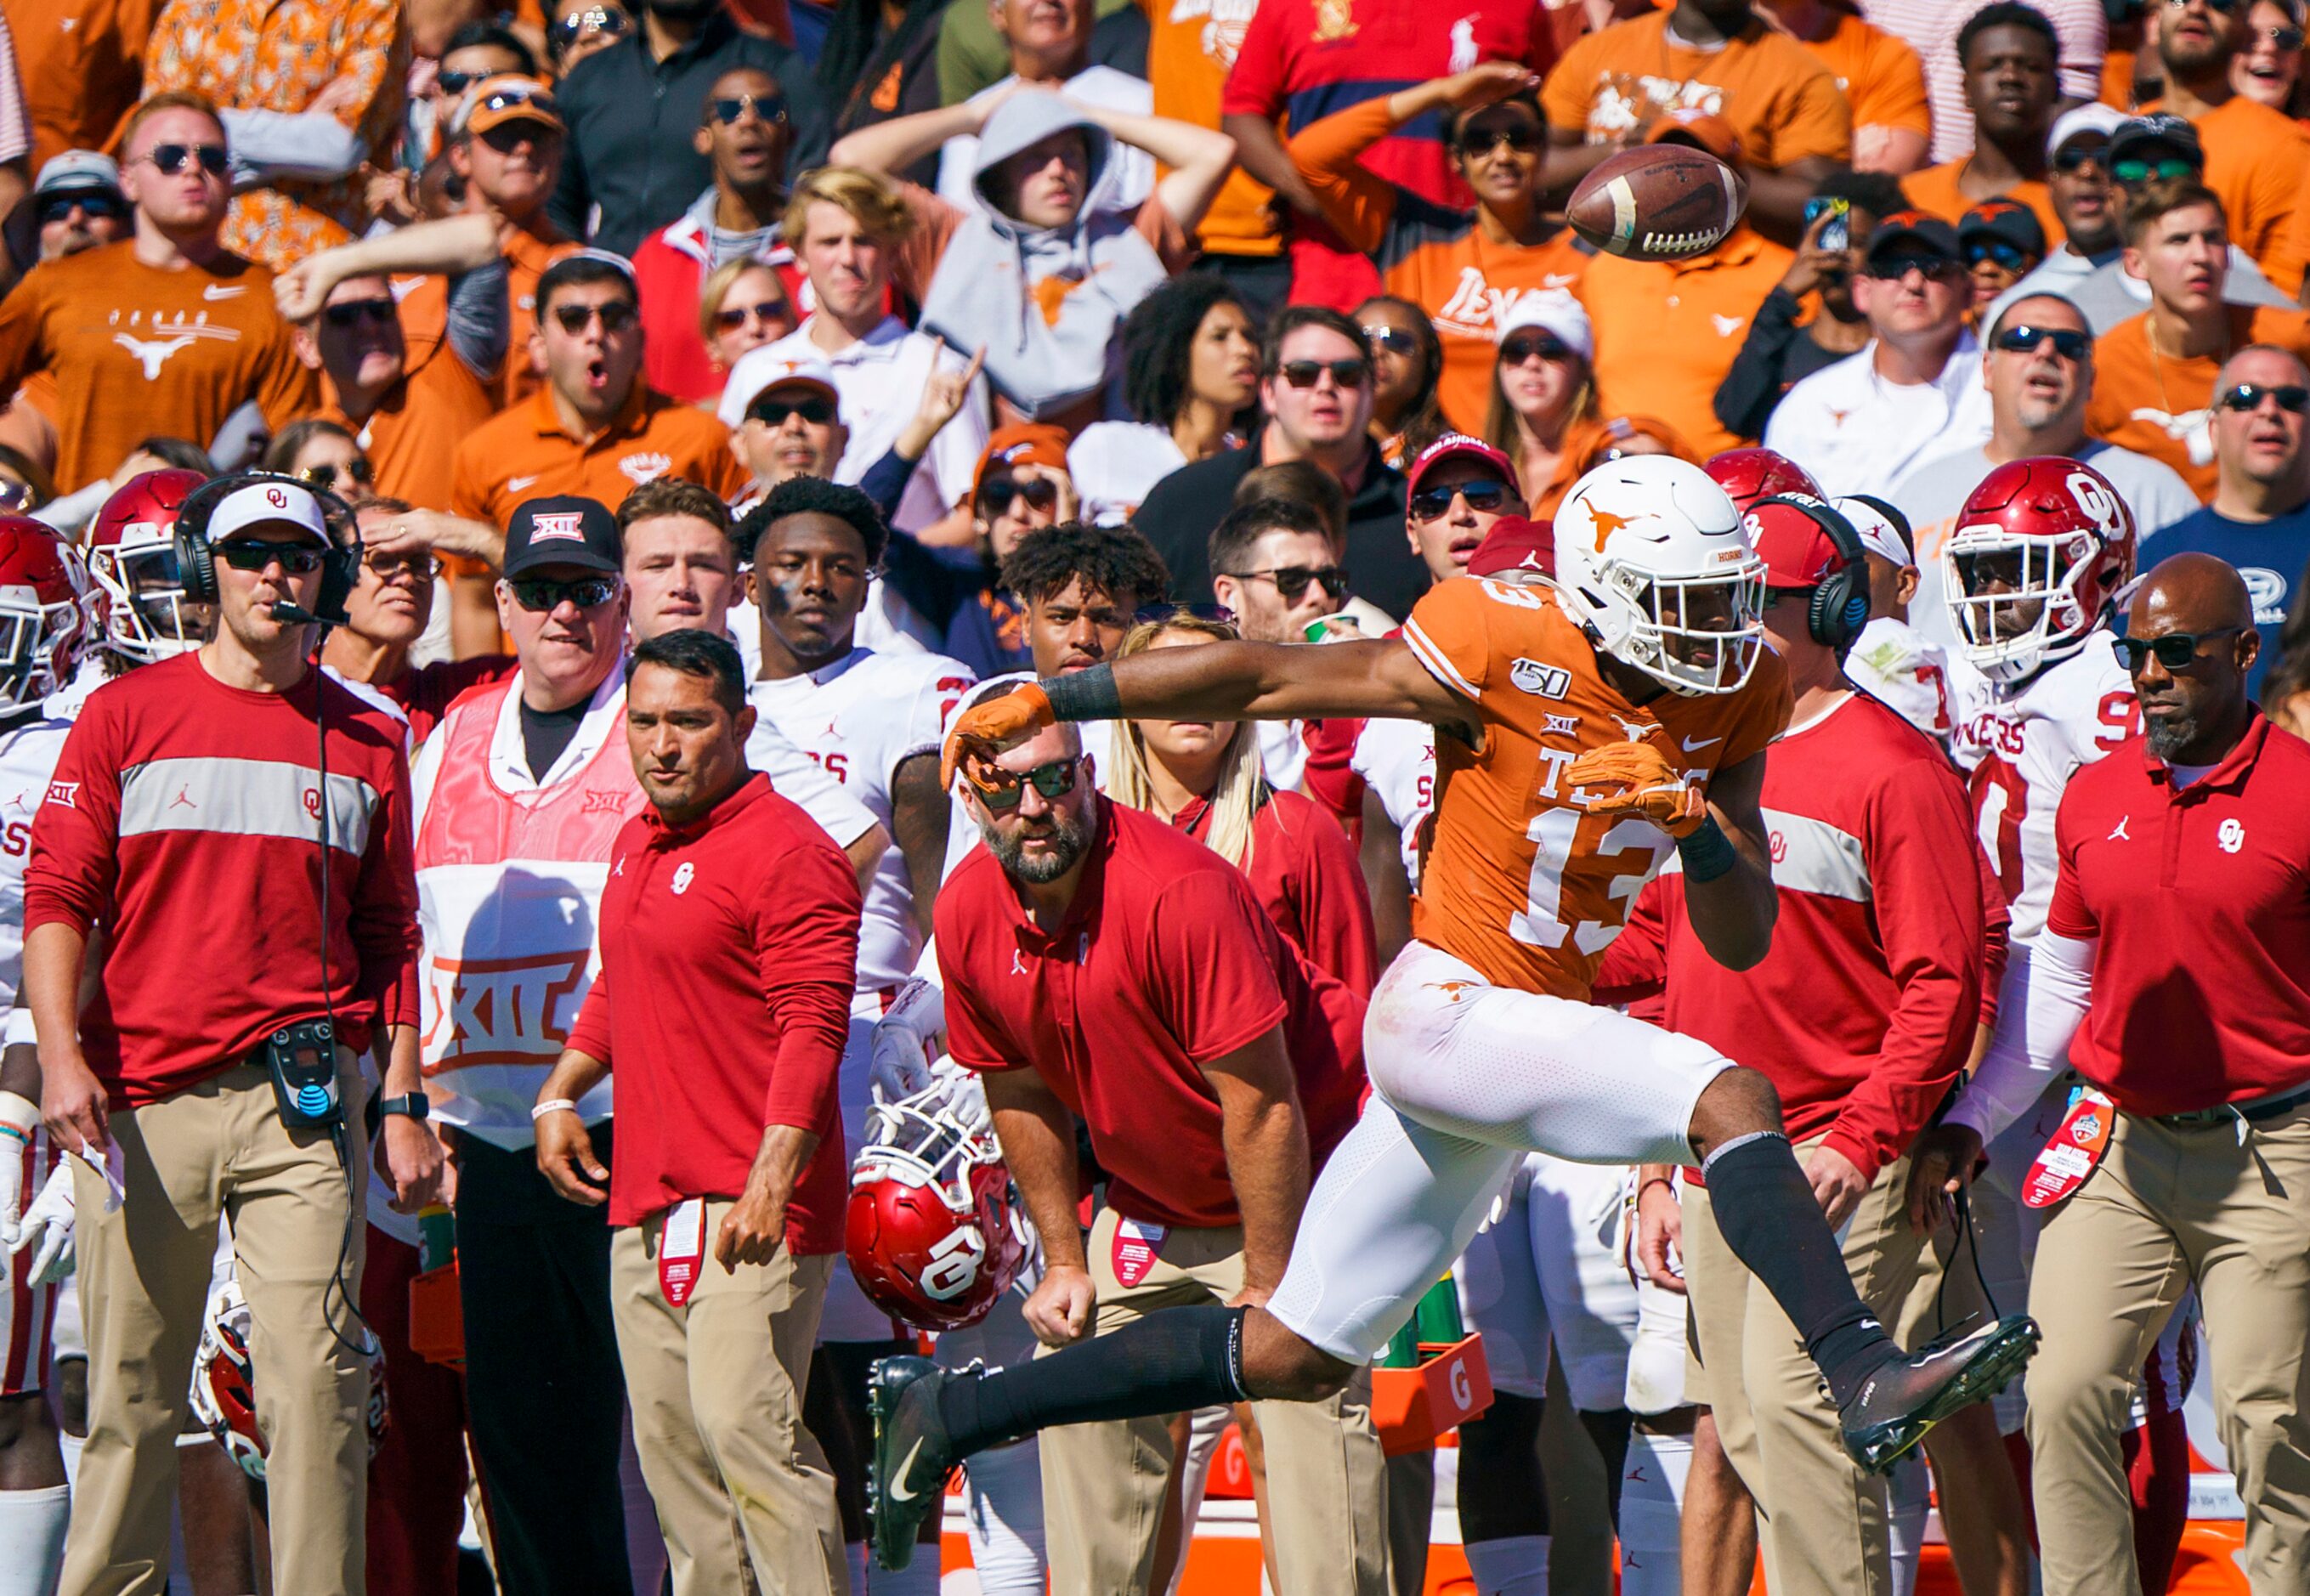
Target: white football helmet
(1653,562)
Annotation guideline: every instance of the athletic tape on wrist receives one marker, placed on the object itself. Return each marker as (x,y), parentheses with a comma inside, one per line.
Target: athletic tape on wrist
(18,1115)
(1083,695)
(1707,852)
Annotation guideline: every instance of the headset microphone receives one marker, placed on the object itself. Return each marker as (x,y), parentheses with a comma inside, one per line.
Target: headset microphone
(283,610)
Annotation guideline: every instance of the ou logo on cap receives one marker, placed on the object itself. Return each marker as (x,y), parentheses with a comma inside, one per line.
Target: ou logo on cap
(276,499)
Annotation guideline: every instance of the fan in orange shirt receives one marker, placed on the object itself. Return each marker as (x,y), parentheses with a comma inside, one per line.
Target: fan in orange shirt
(1878,74)
(2153,374)
(2012,81)
(1467,270)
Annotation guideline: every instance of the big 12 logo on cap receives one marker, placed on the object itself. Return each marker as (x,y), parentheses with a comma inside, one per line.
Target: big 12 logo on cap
(566,526)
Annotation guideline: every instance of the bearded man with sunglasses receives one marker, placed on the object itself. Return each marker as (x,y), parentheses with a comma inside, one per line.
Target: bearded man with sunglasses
(165,331)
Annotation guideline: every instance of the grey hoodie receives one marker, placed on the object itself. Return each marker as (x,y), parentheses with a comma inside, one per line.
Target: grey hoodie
(1044,351)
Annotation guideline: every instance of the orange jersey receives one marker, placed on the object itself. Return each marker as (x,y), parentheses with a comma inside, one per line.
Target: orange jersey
(522,452)
(1936,191)
(1190,48)
(1878,73)
(2158,406)
(2256,160)
(139,351)
(1519,883)
(425,311)
(1775,93)
(411,438)
(82,62)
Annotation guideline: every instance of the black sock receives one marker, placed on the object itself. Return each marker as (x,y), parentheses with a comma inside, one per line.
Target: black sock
(1769,1216)
(1173,1361)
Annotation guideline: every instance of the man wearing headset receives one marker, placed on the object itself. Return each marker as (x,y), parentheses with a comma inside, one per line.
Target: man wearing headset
(1866,815)
(187,813)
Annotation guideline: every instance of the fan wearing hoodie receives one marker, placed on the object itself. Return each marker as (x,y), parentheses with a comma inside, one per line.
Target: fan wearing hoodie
(1039,280)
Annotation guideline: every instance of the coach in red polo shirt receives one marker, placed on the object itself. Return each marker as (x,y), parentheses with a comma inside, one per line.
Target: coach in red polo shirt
(729,934)
(2174,974)
(1101,966)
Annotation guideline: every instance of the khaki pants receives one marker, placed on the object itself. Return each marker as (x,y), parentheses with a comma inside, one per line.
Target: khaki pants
(217,1148)
(2167,1207)
(1104,1484)
(1823,1523)
(715,1387)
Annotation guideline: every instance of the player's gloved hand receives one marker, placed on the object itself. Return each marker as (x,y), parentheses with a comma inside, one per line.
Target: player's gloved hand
(906,1040)
(19,1117)
(965,1093)
(1636,779)
(993,724)
(48,1228)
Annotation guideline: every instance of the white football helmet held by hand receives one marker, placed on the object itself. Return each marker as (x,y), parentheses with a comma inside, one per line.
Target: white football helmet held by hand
(1653,561)
(906,1040)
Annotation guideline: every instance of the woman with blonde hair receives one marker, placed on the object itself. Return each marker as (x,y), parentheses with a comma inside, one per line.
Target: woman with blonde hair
(1204,778)
(741,306)
(1543,396)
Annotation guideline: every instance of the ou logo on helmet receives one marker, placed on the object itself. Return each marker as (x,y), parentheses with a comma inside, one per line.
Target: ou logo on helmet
(953,1268)
(2097,503)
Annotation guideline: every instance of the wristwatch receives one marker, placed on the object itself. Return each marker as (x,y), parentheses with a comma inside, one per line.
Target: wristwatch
(414,1106)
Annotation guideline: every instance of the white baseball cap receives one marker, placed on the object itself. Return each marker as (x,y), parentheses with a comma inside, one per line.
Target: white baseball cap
(1553,310)
(268,504)
(2090,117)
(758,371)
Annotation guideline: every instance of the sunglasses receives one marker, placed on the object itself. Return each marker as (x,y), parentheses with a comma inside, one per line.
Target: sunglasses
(994,499)
(2284,38)
(1292,580)
(2141,171)
(1996,249)
(769,108)
(1002,790)
(2072,155)
(298,559)
(2219,7)
(1351,373)
(1400,341)
(387,566)
(1518,348)
(1157,614)
(376,312)
(174,158)
(2175,650)
(588,593)
(356,470)
(97,206)
(457,82)
(730,317)
(507,100)
(2068,342)
(1938,268)
(1482,141)
(617,316)
(2292,398)
(15,497)
(818,412)
(581,25)
(1482,494)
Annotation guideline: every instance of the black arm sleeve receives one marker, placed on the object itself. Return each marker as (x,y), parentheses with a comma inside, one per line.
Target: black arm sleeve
(1753,386)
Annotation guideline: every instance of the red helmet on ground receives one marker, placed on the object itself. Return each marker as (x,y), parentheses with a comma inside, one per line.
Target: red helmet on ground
(132,554)
(224,1381)
(44,613)
(2034,563)
(1748,475)
(934,1232)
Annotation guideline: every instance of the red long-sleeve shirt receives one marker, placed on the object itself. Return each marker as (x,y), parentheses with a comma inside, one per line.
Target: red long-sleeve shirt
(1863,1011)
(733,942)
(1308,879)
(185,814)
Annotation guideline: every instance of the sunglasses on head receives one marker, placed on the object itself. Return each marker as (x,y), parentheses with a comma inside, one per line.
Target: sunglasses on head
(536,594)
(356,469)
(1001,789)
(580,25)
(174,158)
(2131,172)
(994,499)
(2068,342)
(1996,249)
(2290,397)
(769,108)
(2176,651)
(1482,494)
(1518,348)
(1518,137)
(507,100)
(1400,341)
(1893,268)
(617,317)
(2076,153)
(1292,580)
(730,317)
(95,206)
(376,312)
(1350,373)
(298,559)
(815,410)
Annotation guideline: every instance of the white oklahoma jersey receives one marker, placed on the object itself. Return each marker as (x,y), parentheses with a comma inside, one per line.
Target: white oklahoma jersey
(1397,761)
(2023,742)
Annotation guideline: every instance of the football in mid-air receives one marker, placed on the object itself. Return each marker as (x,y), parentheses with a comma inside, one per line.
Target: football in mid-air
(1661,202)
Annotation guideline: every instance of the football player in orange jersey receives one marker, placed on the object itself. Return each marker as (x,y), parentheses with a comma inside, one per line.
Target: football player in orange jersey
(1587,729)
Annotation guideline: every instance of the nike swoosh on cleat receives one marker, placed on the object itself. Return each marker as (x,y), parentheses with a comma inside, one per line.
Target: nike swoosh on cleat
(899,1491)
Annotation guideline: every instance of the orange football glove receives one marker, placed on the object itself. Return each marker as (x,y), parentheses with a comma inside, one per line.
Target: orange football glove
(1636,779)
(993,724)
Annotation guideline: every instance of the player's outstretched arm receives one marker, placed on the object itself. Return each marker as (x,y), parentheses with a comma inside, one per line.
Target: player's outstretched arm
(1732,911)
(1265,681)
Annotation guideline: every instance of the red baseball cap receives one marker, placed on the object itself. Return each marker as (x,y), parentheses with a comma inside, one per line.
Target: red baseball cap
(1516,550)
(1457,446)
(1786,532)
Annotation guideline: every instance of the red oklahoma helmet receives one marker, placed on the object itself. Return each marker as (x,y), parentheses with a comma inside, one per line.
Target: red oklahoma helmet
(224,1381)
(132,553)
(44,613)
(935,1232)
(2034,565)
(1748,475)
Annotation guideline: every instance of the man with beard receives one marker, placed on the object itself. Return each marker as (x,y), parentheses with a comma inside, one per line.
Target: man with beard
(2178,917)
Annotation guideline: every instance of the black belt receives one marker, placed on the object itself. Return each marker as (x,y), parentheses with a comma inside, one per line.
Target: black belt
(2253,1112)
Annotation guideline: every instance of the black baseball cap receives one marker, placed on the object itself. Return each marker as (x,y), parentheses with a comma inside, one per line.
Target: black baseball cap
(2159,127)
(2017,224)
(1914,233)
(563,530)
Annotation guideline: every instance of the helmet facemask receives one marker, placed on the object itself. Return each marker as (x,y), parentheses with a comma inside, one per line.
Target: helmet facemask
(147,615)
(1695,635)
(2013,601)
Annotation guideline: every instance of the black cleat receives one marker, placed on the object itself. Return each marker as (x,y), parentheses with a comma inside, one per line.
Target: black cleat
(1897,1404)
(905,1474)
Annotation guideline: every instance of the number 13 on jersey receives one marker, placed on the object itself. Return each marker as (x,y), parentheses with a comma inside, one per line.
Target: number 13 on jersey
(1640,846)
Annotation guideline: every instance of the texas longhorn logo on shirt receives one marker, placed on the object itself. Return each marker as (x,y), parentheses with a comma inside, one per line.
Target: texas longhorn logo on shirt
(645,467)
(151,342)
(1225,23)
(1477,310)
(2194,429)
